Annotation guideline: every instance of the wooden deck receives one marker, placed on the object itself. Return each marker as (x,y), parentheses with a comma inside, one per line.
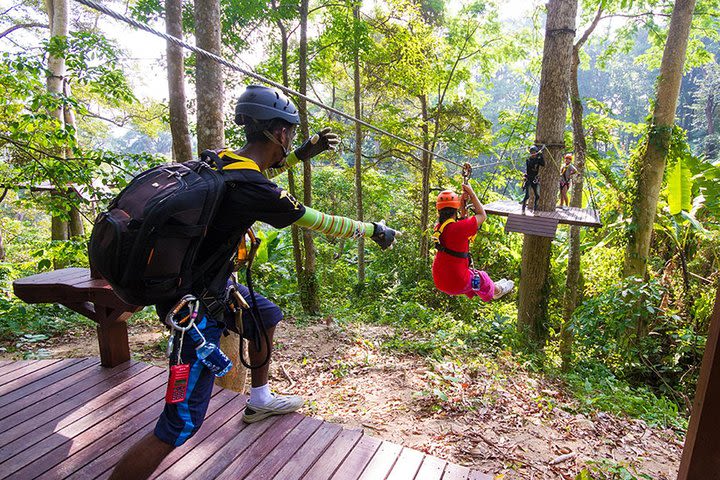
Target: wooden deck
(74,419)
(571,216)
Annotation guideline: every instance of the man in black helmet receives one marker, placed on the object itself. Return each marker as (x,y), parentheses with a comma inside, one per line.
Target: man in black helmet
(532,170)
(270,120)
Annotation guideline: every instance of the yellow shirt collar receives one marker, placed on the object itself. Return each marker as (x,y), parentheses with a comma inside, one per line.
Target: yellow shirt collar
(240,162)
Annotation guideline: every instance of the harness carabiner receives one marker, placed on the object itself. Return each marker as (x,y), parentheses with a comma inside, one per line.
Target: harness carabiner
(193,305)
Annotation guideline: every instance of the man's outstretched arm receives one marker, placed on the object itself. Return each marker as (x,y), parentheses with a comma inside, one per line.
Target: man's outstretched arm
(337,226)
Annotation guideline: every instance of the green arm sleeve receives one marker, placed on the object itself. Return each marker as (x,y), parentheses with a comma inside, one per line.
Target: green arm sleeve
(291,161)
(335,225)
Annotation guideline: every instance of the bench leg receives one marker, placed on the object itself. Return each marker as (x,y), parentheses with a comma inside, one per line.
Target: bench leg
(113,340)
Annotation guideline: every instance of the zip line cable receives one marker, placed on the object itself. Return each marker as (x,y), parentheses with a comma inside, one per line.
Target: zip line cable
(256,76)
(507,143)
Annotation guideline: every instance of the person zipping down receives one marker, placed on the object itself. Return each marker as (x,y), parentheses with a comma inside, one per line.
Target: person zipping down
(270,120)
(452,268)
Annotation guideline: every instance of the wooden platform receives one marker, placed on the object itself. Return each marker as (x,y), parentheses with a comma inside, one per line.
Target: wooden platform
(532,225)
(570,216)
(74,419)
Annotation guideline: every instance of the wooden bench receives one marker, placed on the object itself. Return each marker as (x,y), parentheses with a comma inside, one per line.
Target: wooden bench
(92,297)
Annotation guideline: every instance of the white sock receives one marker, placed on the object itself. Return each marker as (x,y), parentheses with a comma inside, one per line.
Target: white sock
(260,396)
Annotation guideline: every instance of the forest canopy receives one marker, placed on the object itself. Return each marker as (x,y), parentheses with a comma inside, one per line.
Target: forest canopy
(624,307)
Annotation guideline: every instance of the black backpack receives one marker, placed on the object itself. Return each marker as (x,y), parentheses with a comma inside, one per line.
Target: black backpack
(146,243)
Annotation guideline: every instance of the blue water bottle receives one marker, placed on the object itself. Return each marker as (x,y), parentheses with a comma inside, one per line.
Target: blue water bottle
(213,358)
(475,283)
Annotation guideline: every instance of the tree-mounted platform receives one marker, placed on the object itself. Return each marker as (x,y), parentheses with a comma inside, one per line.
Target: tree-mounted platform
(532,225)
(583,217)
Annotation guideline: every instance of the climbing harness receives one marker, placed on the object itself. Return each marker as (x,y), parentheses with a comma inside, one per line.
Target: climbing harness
(236,303)
(437,238)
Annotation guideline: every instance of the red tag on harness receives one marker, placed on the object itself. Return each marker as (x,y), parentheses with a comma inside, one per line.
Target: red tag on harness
(177,383)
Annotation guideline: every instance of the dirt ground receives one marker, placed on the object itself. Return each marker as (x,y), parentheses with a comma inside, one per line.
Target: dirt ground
(490,414)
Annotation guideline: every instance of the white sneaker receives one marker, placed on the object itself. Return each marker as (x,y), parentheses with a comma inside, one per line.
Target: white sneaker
(279,405)
(504,287)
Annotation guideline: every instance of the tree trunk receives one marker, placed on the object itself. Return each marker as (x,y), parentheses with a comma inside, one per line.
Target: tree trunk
(209,77)
(76,228)
(710,143)
(309,289)
(554,81)
(210,132)
(652,164)
(358,155)
(294,229)
(58,21)
(425,190)
(572,276)
(181,144)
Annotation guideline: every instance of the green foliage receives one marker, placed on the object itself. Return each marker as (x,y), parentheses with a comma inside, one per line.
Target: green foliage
(19,321)
(628,329)
(679,188)
(605,469)
(597,389)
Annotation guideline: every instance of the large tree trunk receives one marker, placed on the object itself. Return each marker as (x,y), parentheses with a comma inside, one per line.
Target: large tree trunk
(209,77)
(358,154)
(181,144)
(425,190)
(652,164)
(309,290)
(76,228)
(294,229)
(572,276)
(58,20)
(557,56)
(210,132)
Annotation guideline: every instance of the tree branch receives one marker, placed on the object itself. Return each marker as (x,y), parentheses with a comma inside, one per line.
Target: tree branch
(588,32)
(22,25)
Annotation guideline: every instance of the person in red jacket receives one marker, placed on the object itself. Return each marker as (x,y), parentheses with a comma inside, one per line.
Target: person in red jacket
(452,268)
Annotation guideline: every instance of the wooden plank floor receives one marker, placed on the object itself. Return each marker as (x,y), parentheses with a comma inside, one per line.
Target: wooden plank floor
(74,419)
(584,217)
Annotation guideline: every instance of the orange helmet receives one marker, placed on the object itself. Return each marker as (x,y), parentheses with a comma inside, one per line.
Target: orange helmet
(447,199)
(568,155)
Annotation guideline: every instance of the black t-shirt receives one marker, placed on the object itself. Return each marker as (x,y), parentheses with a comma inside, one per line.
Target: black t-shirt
(533,164)
(250,197)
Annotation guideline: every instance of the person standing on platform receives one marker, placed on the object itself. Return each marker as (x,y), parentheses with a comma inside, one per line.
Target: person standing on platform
(567,172)
(532,170)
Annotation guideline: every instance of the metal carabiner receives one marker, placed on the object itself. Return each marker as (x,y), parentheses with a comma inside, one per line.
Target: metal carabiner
(234,300)
(466,173)
(193,305)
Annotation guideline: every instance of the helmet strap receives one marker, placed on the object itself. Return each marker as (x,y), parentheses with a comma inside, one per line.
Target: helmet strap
(274,140)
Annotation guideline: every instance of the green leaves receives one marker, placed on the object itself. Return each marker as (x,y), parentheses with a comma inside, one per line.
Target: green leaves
(679,186)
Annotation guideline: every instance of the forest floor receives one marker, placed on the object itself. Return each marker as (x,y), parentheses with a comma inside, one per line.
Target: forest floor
(486,413)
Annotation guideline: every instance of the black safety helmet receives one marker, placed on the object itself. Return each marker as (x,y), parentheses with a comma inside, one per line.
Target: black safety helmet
(262,104)
(534,149)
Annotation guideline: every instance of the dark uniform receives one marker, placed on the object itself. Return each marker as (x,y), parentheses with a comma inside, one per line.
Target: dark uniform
(250,197)
(532,170)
